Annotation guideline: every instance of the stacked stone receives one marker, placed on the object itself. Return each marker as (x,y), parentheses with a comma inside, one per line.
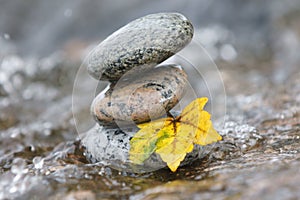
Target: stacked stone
(138,90)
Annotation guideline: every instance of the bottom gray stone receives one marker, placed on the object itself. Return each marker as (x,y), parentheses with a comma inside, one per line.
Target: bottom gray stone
(110,146)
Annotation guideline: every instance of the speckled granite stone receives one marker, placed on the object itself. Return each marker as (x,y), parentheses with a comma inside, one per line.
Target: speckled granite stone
(142,97)
(111,147)
(148,41)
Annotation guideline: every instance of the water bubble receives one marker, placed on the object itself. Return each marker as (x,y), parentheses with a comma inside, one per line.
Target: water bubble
(3,77)
(243,136)
(38,162)
(13,189)
(47,128)
(6,36)
(32,148)
(209,36)
(68,13)
(101,171)
(228,52)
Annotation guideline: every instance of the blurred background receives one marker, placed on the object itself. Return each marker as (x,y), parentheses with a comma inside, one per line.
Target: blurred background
(254,43)
(229,29)
(40,27)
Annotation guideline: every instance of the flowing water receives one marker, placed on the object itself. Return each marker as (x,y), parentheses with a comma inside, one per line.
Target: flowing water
(258,158)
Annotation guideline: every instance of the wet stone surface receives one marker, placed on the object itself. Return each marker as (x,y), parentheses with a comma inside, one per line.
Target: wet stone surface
(144,42)
(141,97)
(111,146)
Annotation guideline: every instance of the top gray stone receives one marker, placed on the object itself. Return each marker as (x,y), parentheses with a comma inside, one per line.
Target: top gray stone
(144,42)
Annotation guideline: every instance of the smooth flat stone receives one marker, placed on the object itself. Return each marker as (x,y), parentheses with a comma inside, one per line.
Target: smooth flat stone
(140,98)
(144,42)
(110,146)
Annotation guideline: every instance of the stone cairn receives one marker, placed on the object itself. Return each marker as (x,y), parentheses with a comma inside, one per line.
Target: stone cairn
(139,89)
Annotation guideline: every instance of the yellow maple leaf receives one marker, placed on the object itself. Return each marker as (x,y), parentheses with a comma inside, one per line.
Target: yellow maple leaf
(173,137)
(143,144)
